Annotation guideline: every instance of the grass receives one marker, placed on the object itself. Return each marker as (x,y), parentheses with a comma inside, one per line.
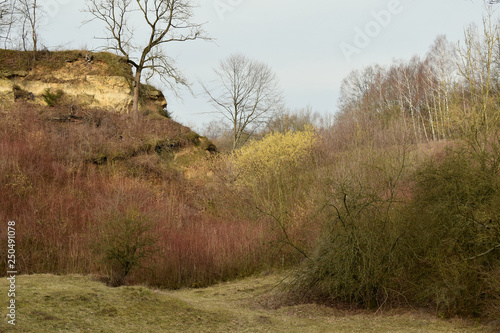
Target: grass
(73,303)
(19,61)
(49,303)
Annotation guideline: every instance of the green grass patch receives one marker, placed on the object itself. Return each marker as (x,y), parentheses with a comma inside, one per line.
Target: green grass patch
(49,303)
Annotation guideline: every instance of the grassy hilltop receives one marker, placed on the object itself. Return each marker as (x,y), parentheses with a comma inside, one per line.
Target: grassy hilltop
(12,61)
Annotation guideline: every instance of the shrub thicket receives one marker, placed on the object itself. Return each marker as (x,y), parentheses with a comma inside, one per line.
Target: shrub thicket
(426,235)
(124,240)
(361,194)
(454,234)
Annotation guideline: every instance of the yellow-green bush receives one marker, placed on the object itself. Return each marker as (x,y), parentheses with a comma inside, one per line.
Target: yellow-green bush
(454,234)
(274,157)
(277,173)
(402,231)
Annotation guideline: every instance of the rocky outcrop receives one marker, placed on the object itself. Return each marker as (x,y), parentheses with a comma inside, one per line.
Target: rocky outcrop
(95,80)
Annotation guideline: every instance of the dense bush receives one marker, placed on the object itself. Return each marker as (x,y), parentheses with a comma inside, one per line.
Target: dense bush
(359,248)
(277,173)
(429,238)
(454,234)
(124,240)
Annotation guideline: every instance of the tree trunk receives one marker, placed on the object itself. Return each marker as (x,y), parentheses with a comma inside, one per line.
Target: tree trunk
(235,127)
(135,105)
(34,34)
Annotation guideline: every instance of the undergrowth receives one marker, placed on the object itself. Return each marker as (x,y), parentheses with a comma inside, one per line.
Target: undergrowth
(63,182)
(381,222)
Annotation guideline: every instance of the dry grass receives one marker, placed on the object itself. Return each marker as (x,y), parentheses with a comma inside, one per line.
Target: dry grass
(103,63)
(48,303)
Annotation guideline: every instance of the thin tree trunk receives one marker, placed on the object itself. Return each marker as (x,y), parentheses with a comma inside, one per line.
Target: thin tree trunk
(135,105)
(34,35)
(424,127)
(431,119)
(235,127)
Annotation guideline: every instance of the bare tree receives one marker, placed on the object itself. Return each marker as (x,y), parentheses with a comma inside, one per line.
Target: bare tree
(162,22)
(442,59)
(6,19)
(477,67)
(246,94)
(30,13)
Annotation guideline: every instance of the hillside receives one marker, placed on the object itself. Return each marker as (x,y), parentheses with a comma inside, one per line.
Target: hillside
(66,170)
(73,303)
(374,211)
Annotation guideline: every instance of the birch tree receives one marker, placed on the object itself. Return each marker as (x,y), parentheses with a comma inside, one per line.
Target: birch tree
(477,67)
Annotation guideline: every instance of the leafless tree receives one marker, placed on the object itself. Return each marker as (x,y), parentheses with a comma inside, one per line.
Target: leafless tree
(246,94)
(159,22)
(477,67)
(30,13)
(442,59)
(6,19)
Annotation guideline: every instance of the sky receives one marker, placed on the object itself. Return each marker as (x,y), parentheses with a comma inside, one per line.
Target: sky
(310,45)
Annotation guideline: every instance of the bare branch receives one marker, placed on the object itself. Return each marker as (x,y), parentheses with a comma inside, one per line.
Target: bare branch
(6,18)
(246,93)
(164,21)
(30,11)
(485,253)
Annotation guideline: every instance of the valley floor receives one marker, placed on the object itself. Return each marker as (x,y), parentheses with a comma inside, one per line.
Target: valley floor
(48,303)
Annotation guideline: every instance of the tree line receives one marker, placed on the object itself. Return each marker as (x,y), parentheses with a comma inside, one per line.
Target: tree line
(450,92)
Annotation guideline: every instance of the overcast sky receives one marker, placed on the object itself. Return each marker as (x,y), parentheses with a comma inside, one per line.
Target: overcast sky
(311,45)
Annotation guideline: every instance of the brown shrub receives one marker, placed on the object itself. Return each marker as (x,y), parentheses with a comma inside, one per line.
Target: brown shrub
(53,187)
